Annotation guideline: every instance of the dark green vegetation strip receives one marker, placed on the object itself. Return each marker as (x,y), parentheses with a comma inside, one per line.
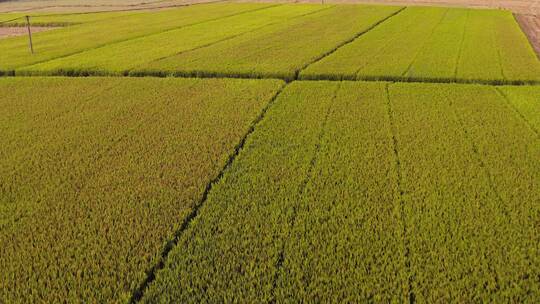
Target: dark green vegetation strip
(359,192)
(120,57)
(49,45)
(436,44)
(278,51)
(93,186)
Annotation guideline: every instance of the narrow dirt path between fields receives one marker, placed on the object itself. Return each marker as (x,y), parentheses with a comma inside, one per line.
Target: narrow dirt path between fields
(6,32)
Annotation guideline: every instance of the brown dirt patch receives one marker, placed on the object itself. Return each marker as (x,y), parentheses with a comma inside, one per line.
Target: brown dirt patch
(6,32)
(531,26)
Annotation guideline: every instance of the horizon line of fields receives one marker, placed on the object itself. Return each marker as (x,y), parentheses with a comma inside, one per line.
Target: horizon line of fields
(298,190)
(335,42)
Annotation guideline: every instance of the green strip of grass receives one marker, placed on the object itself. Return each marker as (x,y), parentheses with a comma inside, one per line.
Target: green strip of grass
(97,174)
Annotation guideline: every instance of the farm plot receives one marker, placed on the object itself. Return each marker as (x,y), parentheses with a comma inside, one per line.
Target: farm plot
(75,39)
(436,44)
(93,186)
(279,51)
(120,57)
(470,179)
(369,191)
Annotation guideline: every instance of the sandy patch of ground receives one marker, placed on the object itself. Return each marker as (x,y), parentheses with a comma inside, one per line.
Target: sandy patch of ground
(6,32)
(531,26)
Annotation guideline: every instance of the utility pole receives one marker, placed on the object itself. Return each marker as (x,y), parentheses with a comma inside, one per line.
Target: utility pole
(29,34)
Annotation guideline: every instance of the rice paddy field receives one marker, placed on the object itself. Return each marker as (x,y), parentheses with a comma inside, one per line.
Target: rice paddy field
(270,153)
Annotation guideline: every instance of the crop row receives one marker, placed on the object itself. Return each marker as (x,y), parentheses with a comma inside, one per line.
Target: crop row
(117,58)
(93,185)
(370,192)
(75,39)
(441,44)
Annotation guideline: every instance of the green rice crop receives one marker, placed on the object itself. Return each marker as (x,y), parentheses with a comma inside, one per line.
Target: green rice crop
(48,45)
(524,99)
(470,174)
(369,192)
(97,174)
(276,51)
(120,57)
(436,44)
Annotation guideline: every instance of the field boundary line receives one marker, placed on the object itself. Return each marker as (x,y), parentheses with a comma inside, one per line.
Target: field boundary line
(441,80)
(516,111)
(138,293)
(406,247)
(141,36)
(142,73)
(348,41)
(327,77)
(302,189)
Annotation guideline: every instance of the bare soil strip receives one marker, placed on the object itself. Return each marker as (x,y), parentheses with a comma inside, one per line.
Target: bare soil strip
(530,24)
(6,32)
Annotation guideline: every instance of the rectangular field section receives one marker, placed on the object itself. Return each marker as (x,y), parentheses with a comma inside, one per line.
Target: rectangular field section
(97,174)
(74,39)
(279,51)
(370,192)
(119,58)
(436,44)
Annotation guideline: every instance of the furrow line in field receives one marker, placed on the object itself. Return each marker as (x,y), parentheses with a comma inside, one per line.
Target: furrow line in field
(151,274)
(461,44)
(491,182)
(347,42)
(146,35)
(478,157)
(302,189)
(425,43)
(516,111)
(406,246)
(499,57)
